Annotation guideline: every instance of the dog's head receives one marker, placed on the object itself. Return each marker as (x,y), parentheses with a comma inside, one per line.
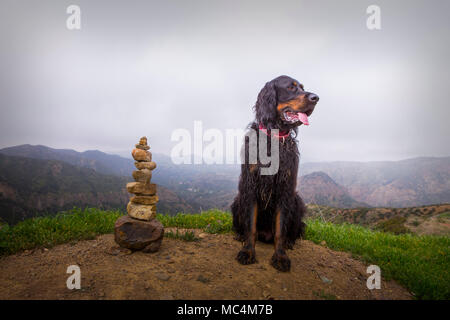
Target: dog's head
(284,104)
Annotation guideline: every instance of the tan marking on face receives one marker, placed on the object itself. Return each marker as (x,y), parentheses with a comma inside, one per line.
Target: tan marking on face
(296,104)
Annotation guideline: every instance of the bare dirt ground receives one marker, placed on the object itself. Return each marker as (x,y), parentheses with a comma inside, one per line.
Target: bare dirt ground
(204,269)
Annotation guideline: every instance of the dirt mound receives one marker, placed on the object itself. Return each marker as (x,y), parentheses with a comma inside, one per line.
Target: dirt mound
(204,269)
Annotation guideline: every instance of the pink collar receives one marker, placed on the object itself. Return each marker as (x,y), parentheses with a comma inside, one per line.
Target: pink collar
(281,135)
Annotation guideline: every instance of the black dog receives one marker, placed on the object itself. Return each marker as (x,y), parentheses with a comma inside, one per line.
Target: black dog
(267,207)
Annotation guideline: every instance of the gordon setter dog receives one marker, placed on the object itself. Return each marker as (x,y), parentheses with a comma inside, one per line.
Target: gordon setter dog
(267,207)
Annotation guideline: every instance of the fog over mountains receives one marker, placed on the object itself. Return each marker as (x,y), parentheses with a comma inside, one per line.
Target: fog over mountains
(411,182)
(37,179)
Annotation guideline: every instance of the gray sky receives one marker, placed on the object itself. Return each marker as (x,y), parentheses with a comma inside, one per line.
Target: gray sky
(148,67)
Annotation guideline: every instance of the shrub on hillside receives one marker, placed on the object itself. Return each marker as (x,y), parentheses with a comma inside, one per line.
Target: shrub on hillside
(394,225)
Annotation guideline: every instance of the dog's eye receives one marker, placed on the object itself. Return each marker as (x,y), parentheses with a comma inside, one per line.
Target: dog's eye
(291,88)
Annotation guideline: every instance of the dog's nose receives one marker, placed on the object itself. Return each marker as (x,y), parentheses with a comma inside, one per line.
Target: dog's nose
(313,97)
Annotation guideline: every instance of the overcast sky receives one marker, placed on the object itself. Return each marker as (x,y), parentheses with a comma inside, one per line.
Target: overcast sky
(149,67)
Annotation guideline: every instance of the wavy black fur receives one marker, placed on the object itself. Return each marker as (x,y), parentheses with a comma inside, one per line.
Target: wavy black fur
(269,193)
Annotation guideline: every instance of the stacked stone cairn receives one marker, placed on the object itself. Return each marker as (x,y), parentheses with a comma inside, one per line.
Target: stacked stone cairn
(140,230)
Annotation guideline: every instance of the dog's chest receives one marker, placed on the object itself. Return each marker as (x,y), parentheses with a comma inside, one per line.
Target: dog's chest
(284,179)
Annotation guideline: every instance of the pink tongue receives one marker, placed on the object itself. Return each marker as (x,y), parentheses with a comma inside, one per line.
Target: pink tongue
(303,118)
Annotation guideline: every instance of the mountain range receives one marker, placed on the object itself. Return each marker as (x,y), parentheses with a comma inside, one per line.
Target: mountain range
(36,179)
(30,187)
(406,183)
(92,159)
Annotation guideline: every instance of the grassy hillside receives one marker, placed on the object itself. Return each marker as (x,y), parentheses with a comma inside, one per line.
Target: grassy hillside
(30,187)
(420,263)
(432,219)
(33,187)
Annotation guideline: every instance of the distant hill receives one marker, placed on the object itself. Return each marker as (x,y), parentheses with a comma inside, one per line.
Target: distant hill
(29,187)
(197,187)
(318,188)
(93,159)
(406,183)
(202,186)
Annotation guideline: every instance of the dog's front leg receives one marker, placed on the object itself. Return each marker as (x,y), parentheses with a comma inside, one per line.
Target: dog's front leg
(280,260)
(247,255)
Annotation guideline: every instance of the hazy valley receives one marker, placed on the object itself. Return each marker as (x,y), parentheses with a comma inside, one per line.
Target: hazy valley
(39,179)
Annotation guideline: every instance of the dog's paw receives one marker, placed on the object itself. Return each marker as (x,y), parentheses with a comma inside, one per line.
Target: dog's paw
(246,257)
(281,262)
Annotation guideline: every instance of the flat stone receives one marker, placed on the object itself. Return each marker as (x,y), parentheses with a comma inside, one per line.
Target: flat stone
(141,211)
(162,276)
(141,188)
(138,235)
(142,176)
(142,147)
(145,165)
(141,155)
(144,199)
(143,141)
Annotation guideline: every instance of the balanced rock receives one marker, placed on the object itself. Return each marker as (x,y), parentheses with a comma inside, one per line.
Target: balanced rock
(142,176)
(145,165)
(139,230)
(141,211)
(141,188)
(143,141)
(144,199)
(141,155)
(139,235)
(142,147)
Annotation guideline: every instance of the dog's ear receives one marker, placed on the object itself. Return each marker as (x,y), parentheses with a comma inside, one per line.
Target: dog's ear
(266,104)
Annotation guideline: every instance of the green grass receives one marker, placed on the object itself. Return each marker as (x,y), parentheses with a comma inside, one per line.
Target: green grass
(445,215)
(212,221)
(76,224)
(185,236)
(420,263)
